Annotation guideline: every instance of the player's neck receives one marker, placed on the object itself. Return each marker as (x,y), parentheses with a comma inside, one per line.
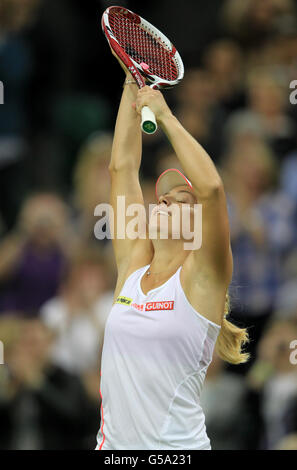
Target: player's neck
(168,254)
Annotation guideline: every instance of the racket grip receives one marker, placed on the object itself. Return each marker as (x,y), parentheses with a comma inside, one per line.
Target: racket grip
(148,121)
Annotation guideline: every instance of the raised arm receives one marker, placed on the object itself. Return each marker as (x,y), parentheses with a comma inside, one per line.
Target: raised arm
(124,171)
(215,253)
(127,141)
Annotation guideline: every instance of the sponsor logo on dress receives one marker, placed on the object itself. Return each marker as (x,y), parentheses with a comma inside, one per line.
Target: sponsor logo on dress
(137,306)
(148,306)
(164,305)
(123,300)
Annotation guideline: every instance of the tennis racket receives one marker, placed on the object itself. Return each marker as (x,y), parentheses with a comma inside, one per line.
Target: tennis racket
(145,51)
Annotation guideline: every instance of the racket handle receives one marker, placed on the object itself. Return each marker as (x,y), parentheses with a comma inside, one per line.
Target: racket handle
(148,121)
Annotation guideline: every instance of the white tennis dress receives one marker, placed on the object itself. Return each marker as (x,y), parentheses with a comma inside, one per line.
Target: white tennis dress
(155,355)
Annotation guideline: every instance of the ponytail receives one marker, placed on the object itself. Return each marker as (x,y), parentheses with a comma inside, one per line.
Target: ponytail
(231,340)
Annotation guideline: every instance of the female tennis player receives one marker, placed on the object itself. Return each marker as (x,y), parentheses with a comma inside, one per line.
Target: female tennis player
(170,303)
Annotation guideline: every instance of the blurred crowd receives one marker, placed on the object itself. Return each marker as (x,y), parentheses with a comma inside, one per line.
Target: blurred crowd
(61,93)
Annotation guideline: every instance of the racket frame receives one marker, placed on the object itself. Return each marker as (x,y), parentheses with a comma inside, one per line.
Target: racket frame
(148,124)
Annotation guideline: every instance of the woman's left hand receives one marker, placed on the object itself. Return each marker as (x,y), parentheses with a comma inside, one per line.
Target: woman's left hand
(154,99)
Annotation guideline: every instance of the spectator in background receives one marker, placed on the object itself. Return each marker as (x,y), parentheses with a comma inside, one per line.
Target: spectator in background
(279,51)
(290,415)
(223,60)
(78,314)
(274,376)
(261,232)
(42,406)
(65,101)
(266,115)
(15,72)
(252,22)
(199,111)
(34,256)
(289,176)
(287,298)
(91,182)
(224,402)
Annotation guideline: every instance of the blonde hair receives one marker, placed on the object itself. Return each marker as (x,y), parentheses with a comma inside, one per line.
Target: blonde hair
(231,340)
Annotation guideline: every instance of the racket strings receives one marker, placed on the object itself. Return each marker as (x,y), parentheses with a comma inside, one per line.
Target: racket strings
(141,46)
